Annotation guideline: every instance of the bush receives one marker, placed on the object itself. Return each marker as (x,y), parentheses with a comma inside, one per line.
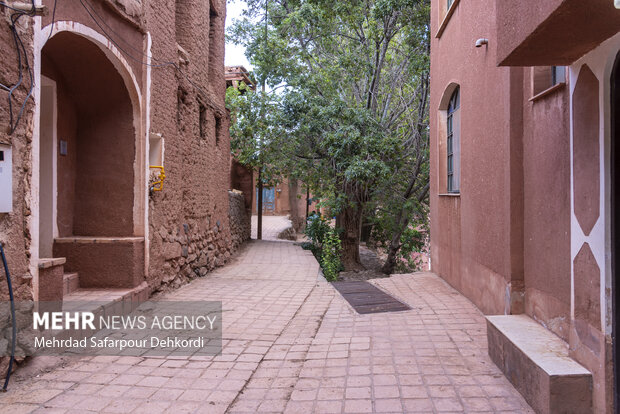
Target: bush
(330,255)
(412,240)
(324,244)
(316,229)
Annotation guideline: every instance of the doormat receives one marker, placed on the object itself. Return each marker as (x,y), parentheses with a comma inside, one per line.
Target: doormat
(367,298)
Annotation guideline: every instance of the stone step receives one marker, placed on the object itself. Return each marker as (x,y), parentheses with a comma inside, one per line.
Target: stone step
(536,362)
(99,302)
(50,286)
(71,283)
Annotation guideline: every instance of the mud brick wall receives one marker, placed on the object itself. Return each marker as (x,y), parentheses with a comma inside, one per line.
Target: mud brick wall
(240,218)
(190,231)
(187,108)
(14,226)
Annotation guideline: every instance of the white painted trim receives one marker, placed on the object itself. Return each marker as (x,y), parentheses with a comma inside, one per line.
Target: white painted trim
(135,94)
(49,82)
(600,61)
(574,225)
(110,50)
(41,36)
(147,133)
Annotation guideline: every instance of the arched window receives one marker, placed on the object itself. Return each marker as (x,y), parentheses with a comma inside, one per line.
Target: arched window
(453,143)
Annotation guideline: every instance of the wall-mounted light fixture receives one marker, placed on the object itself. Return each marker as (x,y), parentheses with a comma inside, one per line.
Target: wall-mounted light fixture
(617,4)
(484,41)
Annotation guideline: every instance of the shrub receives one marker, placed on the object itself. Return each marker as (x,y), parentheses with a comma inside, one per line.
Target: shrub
(316,229)
(330,255)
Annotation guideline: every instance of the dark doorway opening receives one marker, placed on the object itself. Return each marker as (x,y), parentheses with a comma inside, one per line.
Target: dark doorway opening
(615,221)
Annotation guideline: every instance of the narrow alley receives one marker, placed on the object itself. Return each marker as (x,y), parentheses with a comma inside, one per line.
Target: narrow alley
(292,344)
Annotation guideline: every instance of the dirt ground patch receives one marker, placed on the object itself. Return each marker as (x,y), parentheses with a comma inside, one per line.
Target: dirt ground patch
(371,261)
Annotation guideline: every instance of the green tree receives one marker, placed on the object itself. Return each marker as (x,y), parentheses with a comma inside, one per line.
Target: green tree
(352,87)
(254,137)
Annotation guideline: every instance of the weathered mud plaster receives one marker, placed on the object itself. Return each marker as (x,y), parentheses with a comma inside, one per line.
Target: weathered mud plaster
(185,107)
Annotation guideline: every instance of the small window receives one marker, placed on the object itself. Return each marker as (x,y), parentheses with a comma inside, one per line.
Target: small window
(202,121)
(453,143)
(558,75)
(218,128)
(182,96)
(156,149)
(546,77)
(214,24)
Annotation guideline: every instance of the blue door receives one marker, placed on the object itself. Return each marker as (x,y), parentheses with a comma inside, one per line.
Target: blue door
(269,199)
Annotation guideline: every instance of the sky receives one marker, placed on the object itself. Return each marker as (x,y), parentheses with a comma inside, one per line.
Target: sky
(235,55)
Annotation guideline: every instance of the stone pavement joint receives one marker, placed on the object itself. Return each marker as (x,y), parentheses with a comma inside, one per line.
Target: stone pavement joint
(292,344)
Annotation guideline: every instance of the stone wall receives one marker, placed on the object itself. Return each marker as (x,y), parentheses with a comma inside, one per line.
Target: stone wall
(190,232)
(240,219)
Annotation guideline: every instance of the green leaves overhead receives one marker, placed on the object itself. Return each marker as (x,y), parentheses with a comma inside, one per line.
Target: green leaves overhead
(347,104)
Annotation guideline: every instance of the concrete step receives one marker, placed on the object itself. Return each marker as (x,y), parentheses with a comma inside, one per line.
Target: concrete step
(536,362)
(71,283)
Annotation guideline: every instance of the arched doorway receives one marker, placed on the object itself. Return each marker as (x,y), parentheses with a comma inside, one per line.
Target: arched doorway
(615,220)
(88,144)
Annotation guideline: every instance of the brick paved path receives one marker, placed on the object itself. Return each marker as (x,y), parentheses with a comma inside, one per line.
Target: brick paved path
(292,344)
(272,226)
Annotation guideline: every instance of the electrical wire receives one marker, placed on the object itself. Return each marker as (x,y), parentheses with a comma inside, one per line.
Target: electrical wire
(14,338)
(22,60)
(9,7)
(53,20)
(92,13)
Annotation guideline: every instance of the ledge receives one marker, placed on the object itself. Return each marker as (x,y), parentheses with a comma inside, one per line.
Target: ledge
(548,91)
(449,194)
(445,20)
(51,262)
(536,362)
(103,240)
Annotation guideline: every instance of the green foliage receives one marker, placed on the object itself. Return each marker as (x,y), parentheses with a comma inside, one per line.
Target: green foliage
(347,111)
(412,240)
(316,229)
(325,245)
(254,134)
(330,255)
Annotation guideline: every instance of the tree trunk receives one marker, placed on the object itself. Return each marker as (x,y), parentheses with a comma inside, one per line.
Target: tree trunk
(351,220)
(259,205)
(390,261)
(296,220)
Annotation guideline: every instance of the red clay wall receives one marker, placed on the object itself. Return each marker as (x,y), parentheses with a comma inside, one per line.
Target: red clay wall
(14,227)
(281,199)
(546,167)
(189,219)
(96,111)
(471,233)
(505,241)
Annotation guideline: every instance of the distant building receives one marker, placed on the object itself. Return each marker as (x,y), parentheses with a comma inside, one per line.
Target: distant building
(525,176)
(121,90)
(284,199)
(235,75)
(241,177)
